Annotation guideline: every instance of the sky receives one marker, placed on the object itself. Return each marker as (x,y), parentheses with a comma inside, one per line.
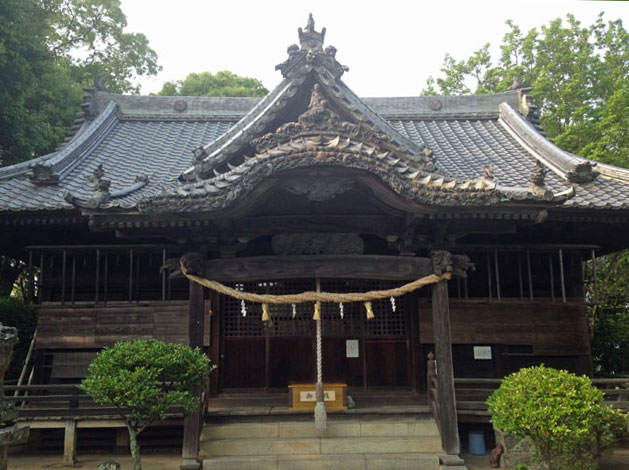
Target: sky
(390,46)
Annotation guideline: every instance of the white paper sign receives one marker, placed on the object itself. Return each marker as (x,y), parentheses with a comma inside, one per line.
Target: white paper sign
(328,395)
(482,352)
(351,348)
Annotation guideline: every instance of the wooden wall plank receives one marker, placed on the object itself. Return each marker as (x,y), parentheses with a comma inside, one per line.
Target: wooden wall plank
(80,327)
(548,327)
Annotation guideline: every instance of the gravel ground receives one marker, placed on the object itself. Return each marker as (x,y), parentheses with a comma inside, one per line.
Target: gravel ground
(171,461)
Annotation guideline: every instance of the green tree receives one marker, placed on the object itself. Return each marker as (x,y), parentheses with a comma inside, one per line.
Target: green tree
(579,77)
(222,83)
(49,50)
(91,33)
(561,413)
(13,312)
(37,93)
(144,379)
(580,80)
(609,313)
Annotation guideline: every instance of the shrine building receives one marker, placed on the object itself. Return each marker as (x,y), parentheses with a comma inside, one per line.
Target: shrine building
(315,190)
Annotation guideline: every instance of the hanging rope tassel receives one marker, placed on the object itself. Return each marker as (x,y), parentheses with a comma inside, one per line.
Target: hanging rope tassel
(320,415)
(369,310)
(317,311)
(265,313)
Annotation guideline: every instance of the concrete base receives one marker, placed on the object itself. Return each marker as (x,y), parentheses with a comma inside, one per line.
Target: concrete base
(517,450)
(451,462)
(325,462)
(11,435)
(349,443)
(190,464)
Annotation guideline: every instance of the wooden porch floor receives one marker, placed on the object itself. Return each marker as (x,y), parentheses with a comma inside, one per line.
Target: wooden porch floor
(277,403)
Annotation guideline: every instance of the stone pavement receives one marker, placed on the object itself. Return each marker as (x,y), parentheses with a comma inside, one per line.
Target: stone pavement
(171,461)
(91,461)
(618,461)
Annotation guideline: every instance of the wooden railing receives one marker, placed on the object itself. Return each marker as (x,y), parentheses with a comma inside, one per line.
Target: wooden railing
(65,406)
(54,401)
(472,393)
(63,401)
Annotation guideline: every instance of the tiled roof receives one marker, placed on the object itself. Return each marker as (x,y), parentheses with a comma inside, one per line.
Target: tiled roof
(146,136)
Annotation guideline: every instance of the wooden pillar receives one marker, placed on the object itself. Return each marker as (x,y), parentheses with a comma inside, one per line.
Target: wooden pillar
(192,423)
(214,351)
(69,443)
(195,321)
(416,369)
(445,370)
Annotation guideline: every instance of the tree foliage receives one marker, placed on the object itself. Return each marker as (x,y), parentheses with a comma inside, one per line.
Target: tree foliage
(579,77)
(37,94)
(49,50)
(91,34)
(13,312)
(222,83)
(144,379)
(608,298)
(561,413)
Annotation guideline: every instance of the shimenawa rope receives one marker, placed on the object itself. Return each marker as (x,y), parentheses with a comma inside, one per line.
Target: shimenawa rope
(317,297)
(320,415)
(310,296)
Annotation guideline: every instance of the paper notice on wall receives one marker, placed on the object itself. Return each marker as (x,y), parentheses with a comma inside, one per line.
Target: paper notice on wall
(351,348)
(328,395)
(482,352)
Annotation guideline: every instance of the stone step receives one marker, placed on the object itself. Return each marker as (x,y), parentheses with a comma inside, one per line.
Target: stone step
(293,429)
(404,461)
(319,446)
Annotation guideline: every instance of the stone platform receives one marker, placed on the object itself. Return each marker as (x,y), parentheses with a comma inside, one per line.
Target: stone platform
(384,431)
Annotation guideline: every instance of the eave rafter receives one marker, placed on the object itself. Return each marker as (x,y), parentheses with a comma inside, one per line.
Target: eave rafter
(414,181)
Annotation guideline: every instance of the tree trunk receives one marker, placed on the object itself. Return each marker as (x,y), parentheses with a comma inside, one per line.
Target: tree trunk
(135,448)
(9,271)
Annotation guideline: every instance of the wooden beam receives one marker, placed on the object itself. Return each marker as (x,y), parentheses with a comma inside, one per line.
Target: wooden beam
(445,369)
(64,257)
(334,223)
(304,267)
(562,277)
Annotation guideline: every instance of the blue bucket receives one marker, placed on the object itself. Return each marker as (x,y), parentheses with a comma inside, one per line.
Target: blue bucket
(477,443)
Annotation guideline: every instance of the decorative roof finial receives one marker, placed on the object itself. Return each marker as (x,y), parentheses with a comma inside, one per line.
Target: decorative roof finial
(310,53)
(309,38)
(536,184)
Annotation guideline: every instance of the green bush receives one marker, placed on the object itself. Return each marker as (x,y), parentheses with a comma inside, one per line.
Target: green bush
(14,312)
(561,413)
(144,379)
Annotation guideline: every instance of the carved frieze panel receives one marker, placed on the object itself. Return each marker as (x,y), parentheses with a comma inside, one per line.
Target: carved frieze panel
(318,190)
(318,244)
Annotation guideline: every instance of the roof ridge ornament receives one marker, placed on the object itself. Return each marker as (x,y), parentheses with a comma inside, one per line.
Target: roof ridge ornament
(100,190)
(309,38)
(310,54)
(536,184)
(42,174)
(319,119)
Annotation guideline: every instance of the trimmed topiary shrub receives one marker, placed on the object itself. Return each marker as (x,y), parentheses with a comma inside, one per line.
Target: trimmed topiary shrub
(562,414)
(144,379)
(14,312)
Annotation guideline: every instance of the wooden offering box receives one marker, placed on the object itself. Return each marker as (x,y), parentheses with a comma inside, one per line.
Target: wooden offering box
(304,396)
